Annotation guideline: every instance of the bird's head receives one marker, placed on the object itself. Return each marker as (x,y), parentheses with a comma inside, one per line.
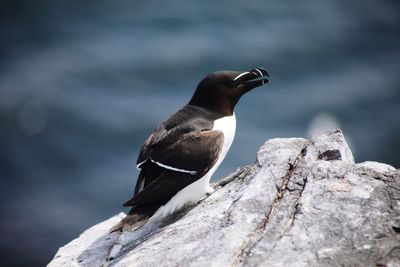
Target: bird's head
(220,91)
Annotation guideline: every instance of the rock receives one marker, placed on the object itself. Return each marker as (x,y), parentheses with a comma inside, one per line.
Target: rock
(90,248)
(302,203)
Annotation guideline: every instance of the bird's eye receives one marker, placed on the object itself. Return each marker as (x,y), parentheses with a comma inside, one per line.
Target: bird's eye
(229,83)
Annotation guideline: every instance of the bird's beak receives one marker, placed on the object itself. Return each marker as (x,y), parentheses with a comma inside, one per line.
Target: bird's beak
(251,79)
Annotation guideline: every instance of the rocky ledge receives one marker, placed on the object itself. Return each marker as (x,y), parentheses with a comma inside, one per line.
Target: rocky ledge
(302,203)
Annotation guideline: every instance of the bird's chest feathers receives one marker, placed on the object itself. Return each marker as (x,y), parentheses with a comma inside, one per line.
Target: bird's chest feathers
(227,125)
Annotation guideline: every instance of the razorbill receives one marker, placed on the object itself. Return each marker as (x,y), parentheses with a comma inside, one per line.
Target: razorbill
(178,159)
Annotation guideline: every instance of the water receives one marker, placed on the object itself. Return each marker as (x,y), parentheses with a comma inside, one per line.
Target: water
(83,84)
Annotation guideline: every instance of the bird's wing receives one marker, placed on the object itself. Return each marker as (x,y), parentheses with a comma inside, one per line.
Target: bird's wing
(177,165)
(162,138)
(192,153)
(172,130)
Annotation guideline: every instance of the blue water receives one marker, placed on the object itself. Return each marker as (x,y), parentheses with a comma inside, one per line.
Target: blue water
(83,84)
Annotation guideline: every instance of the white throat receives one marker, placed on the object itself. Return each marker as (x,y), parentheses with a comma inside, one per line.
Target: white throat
(227,125)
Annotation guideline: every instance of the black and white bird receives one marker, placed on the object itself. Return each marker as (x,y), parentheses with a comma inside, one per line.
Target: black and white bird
(178,159)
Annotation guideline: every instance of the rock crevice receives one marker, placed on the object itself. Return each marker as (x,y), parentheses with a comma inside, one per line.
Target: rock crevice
(261,230)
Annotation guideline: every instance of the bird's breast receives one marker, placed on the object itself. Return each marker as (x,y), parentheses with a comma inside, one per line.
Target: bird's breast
(227,125)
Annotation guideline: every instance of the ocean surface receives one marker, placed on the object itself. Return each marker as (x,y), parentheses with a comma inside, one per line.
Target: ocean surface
(83,83)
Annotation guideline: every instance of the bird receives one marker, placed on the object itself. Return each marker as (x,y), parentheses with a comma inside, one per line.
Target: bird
(178,159)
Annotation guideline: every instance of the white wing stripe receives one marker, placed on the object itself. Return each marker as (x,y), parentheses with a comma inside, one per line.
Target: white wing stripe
(141,186)
(172,168)
(140,164)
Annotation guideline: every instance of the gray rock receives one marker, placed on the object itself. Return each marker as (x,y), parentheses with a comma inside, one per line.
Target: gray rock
(302,203)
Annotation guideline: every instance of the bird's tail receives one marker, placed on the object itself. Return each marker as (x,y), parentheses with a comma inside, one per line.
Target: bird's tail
(132,222)
(137,217)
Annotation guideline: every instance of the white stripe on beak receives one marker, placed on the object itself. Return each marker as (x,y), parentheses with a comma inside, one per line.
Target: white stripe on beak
(259,71)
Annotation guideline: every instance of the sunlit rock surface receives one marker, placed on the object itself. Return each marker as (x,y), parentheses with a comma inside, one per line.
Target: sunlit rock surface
(302,203)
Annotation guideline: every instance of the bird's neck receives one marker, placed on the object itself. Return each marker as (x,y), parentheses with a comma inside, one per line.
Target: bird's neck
(220,105)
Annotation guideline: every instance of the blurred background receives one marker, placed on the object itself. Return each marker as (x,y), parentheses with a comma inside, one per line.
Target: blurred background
(83,83)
